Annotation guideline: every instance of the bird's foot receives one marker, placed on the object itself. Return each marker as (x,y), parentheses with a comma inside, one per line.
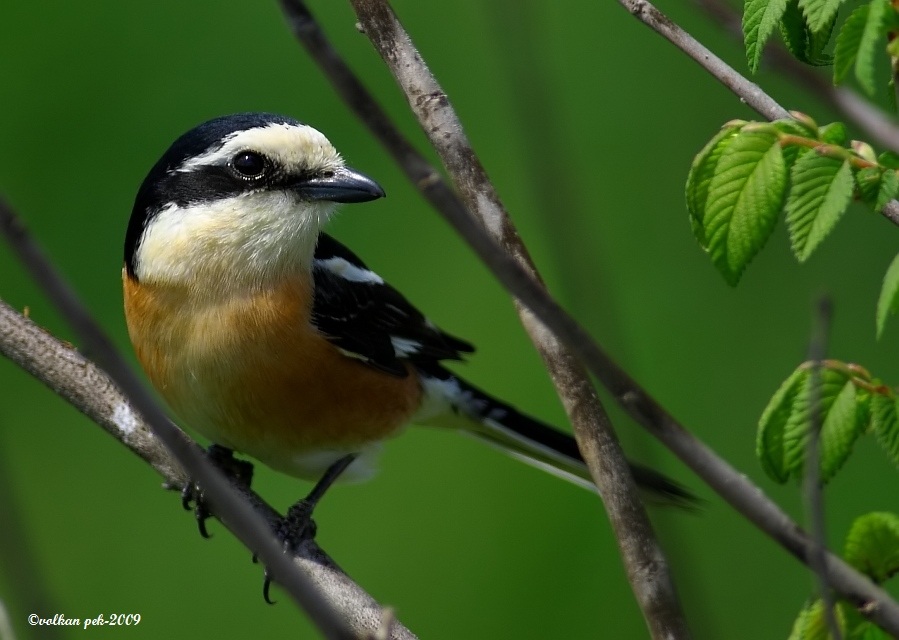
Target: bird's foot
(293,530)
(298,526)
(238,472)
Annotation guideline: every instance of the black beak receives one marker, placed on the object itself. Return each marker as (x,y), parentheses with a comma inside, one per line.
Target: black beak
(344,185)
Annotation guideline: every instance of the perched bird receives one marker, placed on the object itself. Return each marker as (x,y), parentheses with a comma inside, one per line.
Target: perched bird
(271,338)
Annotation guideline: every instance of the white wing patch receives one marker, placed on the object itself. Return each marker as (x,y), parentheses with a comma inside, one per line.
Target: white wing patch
(348,271)
(404,347)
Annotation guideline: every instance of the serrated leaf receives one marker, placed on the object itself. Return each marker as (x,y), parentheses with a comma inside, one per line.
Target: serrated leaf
(760,17)
(845,51)
(819,14)
(821,192)
(885,420)
(817,41)
(846,420)
(888,159)
(744,197)
(868,182)
(805,45)
(811,623)
(701,172)
(797,127)
(792,152)
(834,133)
(833,384)
(869,631)
(872,40)
(889,187)
(888,302)
(794,30)
(782,440)
(769,447)
(872,545)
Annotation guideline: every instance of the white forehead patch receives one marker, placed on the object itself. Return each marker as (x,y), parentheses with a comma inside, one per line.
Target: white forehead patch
(289,145)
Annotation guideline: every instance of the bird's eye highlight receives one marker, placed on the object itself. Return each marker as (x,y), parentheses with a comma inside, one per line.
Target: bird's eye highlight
(249,164)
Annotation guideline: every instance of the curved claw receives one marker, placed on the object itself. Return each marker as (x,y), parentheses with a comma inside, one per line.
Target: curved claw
(266,585)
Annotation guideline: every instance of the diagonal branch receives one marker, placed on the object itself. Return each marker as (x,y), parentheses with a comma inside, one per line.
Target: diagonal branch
(646,565)
(745,497)
(338,607)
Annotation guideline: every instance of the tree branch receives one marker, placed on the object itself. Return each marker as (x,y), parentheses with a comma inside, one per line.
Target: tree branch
(333,602)
(646,565)
(745,497)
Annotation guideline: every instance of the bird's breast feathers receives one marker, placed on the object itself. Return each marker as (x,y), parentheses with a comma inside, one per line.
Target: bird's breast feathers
(251,372)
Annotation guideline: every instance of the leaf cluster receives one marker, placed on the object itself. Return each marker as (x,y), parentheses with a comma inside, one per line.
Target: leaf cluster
(806,27)
(751,171)
(845,402)
(872,547)
(844,399)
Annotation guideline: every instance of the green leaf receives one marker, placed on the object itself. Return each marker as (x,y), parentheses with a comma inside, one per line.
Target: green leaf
(821,192)
(820,14)
(769,444)
(811,624)
(744,197)
(701,172)
(792,152)
(760,17)
(845,51)
(834,133)
(888,302)
(868,182)
(805,45)
(846,420)
(872,40)
(794,30)
(872,545)
(782,440)
(869,631)
(889,159)
(889,187)
(817,41)
(885,419)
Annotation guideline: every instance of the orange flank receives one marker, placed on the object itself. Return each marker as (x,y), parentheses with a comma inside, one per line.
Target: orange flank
(250,372)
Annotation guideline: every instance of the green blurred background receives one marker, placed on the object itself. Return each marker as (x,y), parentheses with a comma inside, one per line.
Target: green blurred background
(587,122)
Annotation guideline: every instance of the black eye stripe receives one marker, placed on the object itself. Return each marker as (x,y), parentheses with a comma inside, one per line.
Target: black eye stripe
(249,164)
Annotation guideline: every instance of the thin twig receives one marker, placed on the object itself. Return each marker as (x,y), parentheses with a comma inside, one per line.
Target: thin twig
(745,497)
(645,563)
(228,506)
(87,388)
(814,498)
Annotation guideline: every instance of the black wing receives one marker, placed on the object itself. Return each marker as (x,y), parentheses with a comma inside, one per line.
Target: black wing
(370,320)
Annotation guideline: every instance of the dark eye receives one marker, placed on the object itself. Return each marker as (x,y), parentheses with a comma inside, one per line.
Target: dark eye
(249,164)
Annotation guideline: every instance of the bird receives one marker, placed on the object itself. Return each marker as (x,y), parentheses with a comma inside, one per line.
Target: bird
(272,339)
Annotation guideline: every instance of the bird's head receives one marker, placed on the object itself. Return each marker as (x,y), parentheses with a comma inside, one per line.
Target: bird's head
(238,200)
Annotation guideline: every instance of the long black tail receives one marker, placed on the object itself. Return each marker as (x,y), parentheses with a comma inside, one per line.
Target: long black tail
(451,402)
